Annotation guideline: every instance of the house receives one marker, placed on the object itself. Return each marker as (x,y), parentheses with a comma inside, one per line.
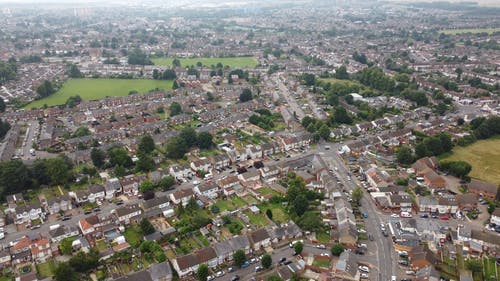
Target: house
(130,185)
(209,190)
(432,180)
(467,202)
(41,250)
(112,188)
(428,273)
(428,204)
(483,189)
(224,251)
(180,172)
(401,202)
(377,178)
(221,161)
(27,213)
(495,217)
(62,232)
(160,202)
(185,265)
(5,259)
(254,152)
(227,182)
(128,213)
(252,175)
(96,193)
(160,272)
(425,163)
(421,257)
(202,164)
(182,196)
(347,266)
(447,204)
(269,174)
(207,256)
(80,196)
(260,239)
(56,204)
(89,225)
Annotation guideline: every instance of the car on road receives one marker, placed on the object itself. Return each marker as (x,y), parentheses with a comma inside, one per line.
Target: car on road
(210,278)
(325,254)
(364,276)
(364,215)
(393,278)
(385,233)
(235,278)
(321,246)
(361,231)
(424,216)
(445,218)
(364,268)
(253,260)
(282,260)
(405,215)
(219,273)
(371,237)
(119,202)
(245,264)
(230,269)
(287,262)
(394,216)
(403,263)
(258,268)
(87,212)
(406,279)
(359,252)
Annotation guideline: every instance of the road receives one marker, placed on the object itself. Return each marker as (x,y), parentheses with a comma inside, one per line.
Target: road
(384,262)
(292,103)
(29,138)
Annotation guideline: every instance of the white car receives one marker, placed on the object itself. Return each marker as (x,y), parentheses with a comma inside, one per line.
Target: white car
(210,278)
(325,255)
(394,216)
(364,276)
(364,268)
(219,274)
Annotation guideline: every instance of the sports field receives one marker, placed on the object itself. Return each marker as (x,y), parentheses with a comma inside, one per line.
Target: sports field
(92,89)
(232,62)
(470,30)
(484,156)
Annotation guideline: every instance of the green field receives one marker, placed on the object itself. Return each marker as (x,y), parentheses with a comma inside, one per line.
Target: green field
(232,62)
(335,80)
(92,89)
(470,30)
(484,156)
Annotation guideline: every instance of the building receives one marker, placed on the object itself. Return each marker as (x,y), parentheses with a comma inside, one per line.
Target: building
(483,189)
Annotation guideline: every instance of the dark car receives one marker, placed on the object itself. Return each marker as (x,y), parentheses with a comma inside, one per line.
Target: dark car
(359,252)
(119,202)
(65,218)
(283,259)
(87,212)
(97,210)
(370,237)
(385,233)
(287,262)
(424,216)
(230,269)
(235,278)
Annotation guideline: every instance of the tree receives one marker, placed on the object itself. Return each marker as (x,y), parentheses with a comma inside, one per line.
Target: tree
(136,56)
(239,258)
(202,272)
(274,278)
(74,72)
(14,177)
(246,95)
(97,157)
(169,74)
(146,227)
(167,182)
(298,247)
(45,89)
(421,150)
(66,246)
(357,194)
(324,132)
(456,168)
(4,128)
(119,157)
(188,134)
(146,186)
(269,214)
(300,205)
(205,140)
(146,145)
(176,63)
(156,74)
(175,109)
(73,101)
(266,261)
(64,272)
(81,132)
(459,72)
(474,265)
(404,155)
(176,148)
(337,249)
(341,73)
(59,169)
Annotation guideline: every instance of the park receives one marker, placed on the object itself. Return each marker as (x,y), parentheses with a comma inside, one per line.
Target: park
(233,62)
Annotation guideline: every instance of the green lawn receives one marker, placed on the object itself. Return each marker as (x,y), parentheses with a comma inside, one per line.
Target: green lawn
(6,277)
(490,272)
(470,30)
(279,213)
(484,156)
(238,201)
(267,190)
(257,219)
(46,269)
(92,89)
(335,80)
(133,235)
(232,62)
(323,237)
(325,263)
(101,245)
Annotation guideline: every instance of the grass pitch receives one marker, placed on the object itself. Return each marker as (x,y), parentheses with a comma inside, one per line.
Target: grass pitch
(92,89)
(233,62)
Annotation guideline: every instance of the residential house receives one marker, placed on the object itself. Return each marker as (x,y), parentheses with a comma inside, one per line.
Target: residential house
(112,188)
(240,242)
(447,204)
(157,206)
(428,204)
(421,257)
(62,232)
(252,175)
(207,256)
(185,265)
(269,174)
(180,172)
(57,204)
(202,164)
(221,161)
(377,178)
(260,239)
(432,180)
(209,190)
(28,212)
(130,185)
(96,193)
(128,213)
(5,259)
(495,217)
(254,152)
(160,272)
(347,266)
(40,249)
(182,196)
(467,202)
(483,189)
(401,202)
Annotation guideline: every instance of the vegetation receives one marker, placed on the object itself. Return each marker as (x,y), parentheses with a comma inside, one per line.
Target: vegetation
(92,89)
(239,258)
(246,95)
(298,247)
(202,272)
(228,61)
(337,249)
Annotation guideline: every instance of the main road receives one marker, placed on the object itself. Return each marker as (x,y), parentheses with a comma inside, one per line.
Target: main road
(384,264)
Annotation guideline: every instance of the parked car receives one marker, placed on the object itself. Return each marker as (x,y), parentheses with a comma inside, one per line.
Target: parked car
(245,264)
(210,278)
(445,218)
(364,268)
(219,273)
(364,276)
(321,246)
(230,269)
(258,268)
(403,262)
(287,262)
(235,278)
(424,216)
